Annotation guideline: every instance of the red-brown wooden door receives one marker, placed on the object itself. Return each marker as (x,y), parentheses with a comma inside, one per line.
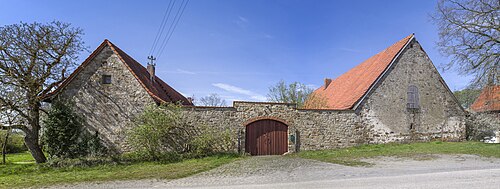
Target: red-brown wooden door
(266,137)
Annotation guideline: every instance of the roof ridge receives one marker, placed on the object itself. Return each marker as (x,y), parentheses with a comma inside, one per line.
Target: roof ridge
(114,47)
(347,90)
(75,72)
(163,88)
(136,69)
(160,83)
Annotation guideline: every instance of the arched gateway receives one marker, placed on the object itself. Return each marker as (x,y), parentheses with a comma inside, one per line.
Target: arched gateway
(266,137)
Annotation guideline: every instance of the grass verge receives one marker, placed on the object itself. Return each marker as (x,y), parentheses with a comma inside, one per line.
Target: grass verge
(21,171)
(353,156)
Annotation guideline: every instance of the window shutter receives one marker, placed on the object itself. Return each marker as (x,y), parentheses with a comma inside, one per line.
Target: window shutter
(413,101)
(417,99)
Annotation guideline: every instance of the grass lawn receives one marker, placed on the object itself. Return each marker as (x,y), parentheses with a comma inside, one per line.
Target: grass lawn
(21,171)
(352,156)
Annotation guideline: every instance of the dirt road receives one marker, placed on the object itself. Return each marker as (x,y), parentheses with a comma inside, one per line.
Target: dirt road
(443,171)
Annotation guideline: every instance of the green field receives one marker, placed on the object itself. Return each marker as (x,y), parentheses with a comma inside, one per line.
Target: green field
(21,171)
(353,156)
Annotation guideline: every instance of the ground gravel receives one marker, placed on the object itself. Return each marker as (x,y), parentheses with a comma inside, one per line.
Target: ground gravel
(266,171)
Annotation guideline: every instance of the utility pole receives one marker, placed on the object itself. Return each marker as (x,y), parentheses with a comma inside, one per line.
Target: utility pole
(151,68)
(152,60)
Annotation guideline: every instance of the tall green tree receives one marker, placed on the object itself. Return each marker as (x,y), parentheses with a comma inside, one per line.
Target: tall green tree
(467,97)
(295,92)
(34,59)
(469,33)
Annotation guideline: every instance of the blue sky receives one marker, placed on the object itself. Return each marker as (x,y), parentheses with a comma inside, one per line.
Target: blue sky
(239,48)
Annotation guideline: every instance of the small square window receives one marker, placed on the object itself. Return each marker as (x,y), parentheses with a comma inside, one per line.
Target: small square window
(106,79)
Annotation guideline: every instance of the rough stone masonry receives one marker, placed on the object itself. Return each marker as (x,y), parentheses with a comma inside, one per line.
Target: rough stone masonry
(381,117)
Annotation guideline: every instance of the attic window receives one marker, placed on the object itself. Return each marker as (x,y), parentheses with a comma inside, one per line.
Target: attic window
(413,98)
(106,79)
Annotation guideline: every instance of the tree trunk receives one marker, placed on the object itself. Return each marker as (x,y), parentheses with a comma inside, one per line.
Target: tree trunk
(32,137)
(4,146)
(35,149)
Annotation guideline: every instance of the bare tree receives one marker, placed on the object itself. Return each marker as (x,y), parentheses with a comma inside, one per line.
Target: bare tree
(469,32)
(316,101)
(295,92)
(212,100)
(8,118)
(34,59)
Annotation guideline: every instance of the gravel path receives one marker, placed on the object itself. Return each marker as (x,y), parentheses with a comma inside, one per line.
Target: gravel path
(286,172)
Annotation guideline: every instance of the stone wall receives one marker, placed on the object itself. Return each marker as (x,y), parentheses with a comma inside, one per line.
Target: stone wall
(314,129)
(483,124)
(385,112)
(382,117)
(107,108)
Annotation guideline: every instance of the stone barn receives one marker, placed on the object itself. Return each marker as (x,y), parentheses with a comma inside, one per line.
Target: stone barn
(485,114)
(488,100)
(398,94)
(110,88)
(395,96)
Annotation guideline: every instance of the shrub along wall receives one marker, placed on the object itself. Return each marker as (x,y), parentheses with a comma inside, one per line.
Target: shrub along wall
(307,129)
(481,125)
(312,129)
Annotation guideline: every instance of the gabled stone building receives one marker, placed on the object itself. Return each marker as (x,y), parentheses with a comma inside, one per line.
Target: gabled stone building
(394,96)
(110,88)
(399,94)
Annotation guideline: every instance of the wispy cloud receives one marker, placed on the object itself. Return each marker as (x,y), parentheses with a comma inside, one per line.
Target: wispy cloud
(312,86)
(234,89)
(181,71)
(259,98)
(242,19)
(268,36)
(350,50)
(242,22)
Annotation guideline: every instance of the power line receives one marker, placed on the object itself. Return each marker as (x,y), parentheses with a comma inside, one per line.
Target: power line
(172,27)
(166,16)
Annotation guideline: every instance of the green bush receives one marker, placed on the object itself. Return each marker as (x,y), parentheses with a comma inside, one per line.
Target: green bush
(161,134)
(15,143)
(94,146)
(480,126)
(65,136)
(159,129)
(208,141)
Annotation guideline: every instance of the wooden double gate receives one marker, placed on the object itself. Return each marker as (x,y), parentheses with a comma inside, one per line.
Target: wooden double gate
(266,137)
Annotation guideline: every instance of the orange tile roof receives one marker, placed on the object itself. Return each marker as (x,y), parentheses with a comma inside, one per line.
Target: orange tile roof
(346,90)
(160,91)
(488,100)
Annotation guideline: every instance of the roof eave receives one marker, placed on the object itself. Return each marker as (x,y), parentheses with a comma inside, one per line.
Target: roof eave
(357,104)
(48,97)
